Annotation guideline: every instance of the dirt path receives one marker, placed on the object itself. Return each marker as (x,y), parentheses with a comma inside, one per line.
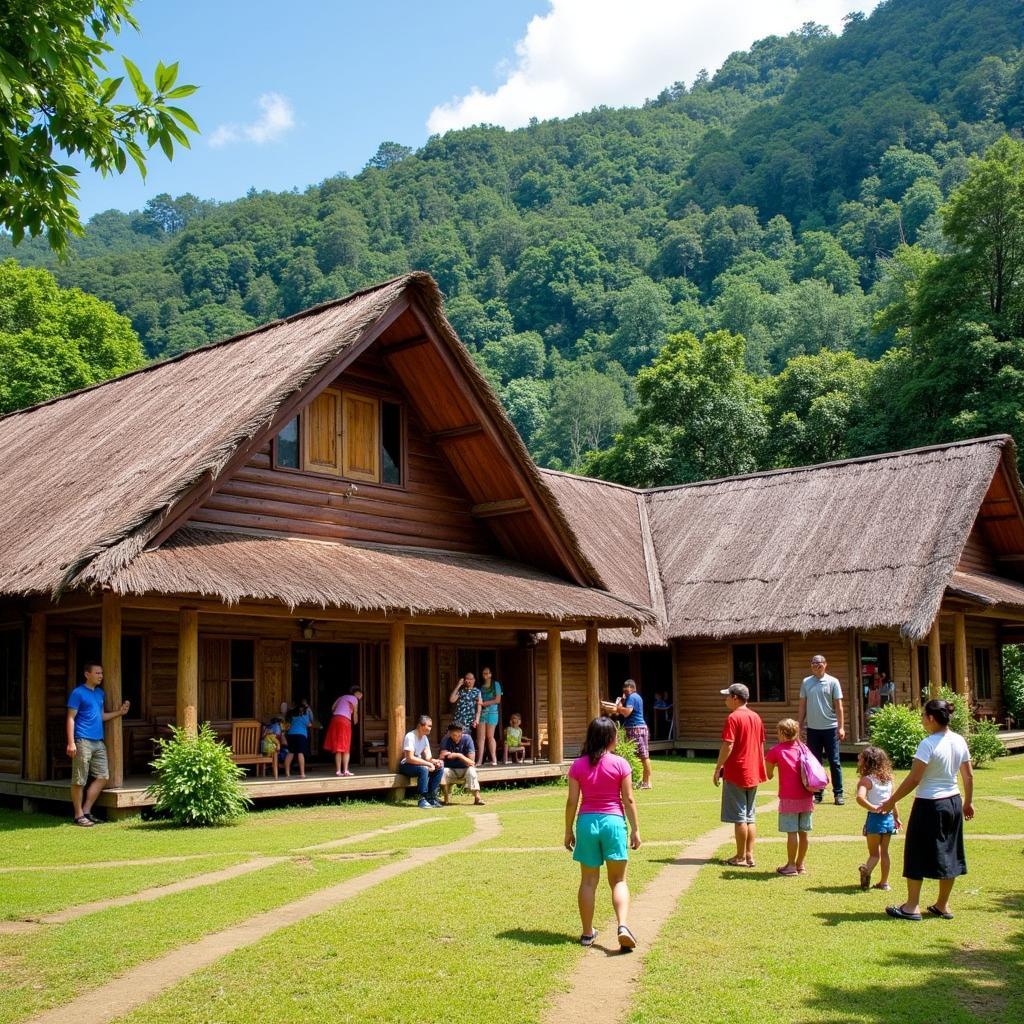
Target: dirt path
(148,979)
(362,837)
(605,978)
(93,864)
(159,891)
(1011,800)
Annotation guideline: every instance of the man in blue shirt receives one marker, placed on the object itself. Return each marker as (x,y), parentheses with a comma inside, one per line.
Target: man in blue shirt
(86,749)
(630,708)
(458,752)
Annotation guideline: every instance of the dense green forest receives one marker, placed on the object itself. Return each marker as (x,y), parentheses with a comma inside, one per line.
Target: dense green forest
(785,261)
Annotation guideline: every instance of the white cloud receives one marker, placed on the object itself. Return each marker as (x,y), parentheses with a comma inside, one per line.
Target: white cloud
(276,119)
(584,53)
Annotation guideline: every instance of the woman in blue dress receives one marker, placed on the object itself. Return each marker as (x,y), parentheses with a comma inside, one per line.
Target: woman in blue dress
(490,701)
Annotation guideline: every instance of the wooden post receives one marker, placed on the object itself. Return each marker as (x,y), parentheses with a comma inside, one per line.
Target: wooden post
(593,675)
(35,699)
(188,670)
(915,676)
(934,660)
(555,696)
(396,694)
(110,647)
(960,684)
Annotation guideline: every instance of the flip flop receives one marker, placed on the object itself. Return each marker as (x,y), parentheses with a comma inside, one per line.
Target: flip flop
(627,940)
(588,940)
(787,871)
(935,912)
(901,914)
(92,817)
(735,862)
(83,822)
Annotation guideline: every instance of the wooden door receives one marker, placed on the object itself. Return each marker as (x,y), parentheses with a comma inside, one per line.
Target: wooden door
(214,676)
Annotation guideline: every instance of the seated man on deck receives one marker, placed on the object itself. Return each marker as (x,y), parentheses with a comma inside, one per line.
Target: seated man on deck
(419,765)
(458,753)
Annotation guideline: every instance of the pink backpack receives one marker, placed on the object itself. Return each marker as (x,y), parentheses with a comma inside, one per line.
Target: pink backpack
(812,775)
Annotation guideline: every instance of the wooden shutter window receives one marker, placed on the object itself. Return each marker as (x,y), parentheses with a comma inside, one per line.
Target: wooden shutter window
(361,438)
(320,434)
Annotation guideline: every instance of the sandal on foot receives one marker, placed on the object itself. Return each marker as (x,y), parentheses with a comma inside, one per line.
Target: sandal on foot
(627,940)
(935,912)
(901,914)
(735,862)
(588,940)
(788,870)
(884,886)
(83,821)
(865,877)
(750,863)
(92,817)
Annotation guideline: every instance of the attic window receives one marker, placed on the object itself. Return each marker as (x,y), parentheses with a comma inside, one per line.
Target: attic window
(345,434)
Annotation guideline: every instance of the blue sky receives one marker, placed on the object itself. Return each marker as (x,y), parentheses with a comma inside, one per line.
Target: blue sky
(294,93)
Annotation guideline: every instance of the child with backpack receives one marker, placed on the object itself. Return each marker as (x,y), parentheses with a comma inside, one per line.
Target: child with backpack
(873,789)
(796,801)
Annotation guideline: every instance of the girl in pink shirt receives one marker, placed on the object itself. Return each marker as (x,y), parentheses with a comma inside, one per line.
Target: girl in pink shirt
(604,782)
(796,804)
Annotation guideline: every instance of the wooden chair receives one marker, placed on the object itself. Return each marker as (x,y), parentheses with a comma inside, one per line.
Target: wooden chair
(245,745)
(376,749)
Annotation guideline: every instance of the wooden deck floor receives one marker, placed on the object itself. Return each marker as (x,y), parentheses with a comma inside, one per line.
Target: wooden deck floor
(319,782)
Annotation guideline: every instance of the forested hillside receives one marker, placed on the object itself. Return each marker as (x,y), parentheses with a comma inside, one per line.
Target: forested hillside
(775,219)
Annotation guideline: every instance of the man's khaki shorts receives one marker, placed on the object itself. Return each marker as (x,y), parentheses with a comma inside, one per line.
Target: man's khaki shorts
(90,759)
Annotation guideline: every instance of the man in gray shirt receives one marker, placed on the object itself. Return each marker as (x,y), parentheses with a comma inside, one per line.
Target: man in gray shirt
(821,714)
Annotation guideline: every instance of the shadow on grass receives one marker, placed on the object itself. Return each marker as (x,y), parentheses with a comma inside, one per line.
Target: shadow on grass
(537,937)
(748,875)
(946,978)
(681,861)
(836,890)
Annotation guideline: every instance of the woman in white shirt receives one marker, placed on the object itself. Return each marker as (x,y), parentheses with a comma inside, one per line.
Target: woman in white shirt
(934,846)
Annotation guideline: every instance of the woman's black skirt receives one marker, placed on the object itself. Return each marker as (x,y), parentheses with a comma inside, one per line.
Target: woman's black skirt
(934,846)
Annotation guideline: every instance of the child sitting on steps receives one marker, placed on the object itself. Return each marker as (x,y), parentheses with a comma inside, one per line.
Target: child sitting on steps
(796,804)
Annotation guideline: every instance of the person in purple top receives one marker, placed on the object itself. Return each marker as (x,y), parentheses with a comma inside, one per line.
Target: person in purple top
(86,748)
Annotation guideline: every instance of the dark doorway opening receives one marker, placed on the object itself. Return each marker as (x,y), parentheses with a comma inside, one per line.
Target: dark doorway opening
(322,673)
(876,685)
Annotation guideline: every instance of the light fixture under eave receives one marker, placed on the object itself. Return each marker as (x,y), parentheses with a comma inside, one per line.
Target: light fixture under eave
(306,625)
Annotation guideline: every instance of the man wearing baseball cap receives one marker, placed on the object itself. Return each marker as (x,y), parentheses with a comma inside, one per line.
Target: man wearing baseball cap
(741,770)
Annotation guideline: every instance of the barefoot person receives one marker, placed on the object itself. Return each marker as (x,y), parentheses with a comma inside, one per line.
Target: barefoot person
(604,781)
(740,770)
(86,748)
(934,845)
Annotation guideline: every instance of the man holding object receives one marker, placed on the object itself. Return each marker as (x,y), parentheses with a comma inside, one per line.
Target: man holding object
(86,748)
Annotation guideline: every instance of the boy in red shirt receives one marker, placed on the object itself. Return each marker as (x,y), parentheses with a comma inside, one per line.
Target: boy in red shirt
(741,768)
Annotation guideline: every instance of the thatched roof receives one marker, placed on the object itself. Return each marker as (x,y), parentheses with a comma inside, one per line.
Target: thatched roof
(611,523)
(871,542)
(992,591)
(91,478)
(385,578)
(849,545)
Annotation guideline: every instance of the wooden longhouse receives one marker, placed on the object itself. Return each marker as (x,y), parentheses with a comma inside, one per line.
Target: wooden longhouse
(339,497)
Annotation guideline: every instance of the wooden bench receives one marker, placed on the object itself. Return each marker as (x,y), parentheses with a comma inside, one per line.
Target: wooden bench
(245,745)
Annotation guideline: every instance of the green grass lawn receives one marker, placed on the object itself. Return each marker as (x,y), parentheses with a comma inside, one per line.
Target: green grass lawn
(488,935)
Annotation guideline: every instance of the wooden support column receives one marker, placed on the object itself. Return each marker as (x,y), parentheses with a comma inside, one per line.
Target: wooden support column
(915,676)
(188,670)
(396,693)
(35,699)
(110,647)
(960,684)
(555,755)
(934,660)
(593,674)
